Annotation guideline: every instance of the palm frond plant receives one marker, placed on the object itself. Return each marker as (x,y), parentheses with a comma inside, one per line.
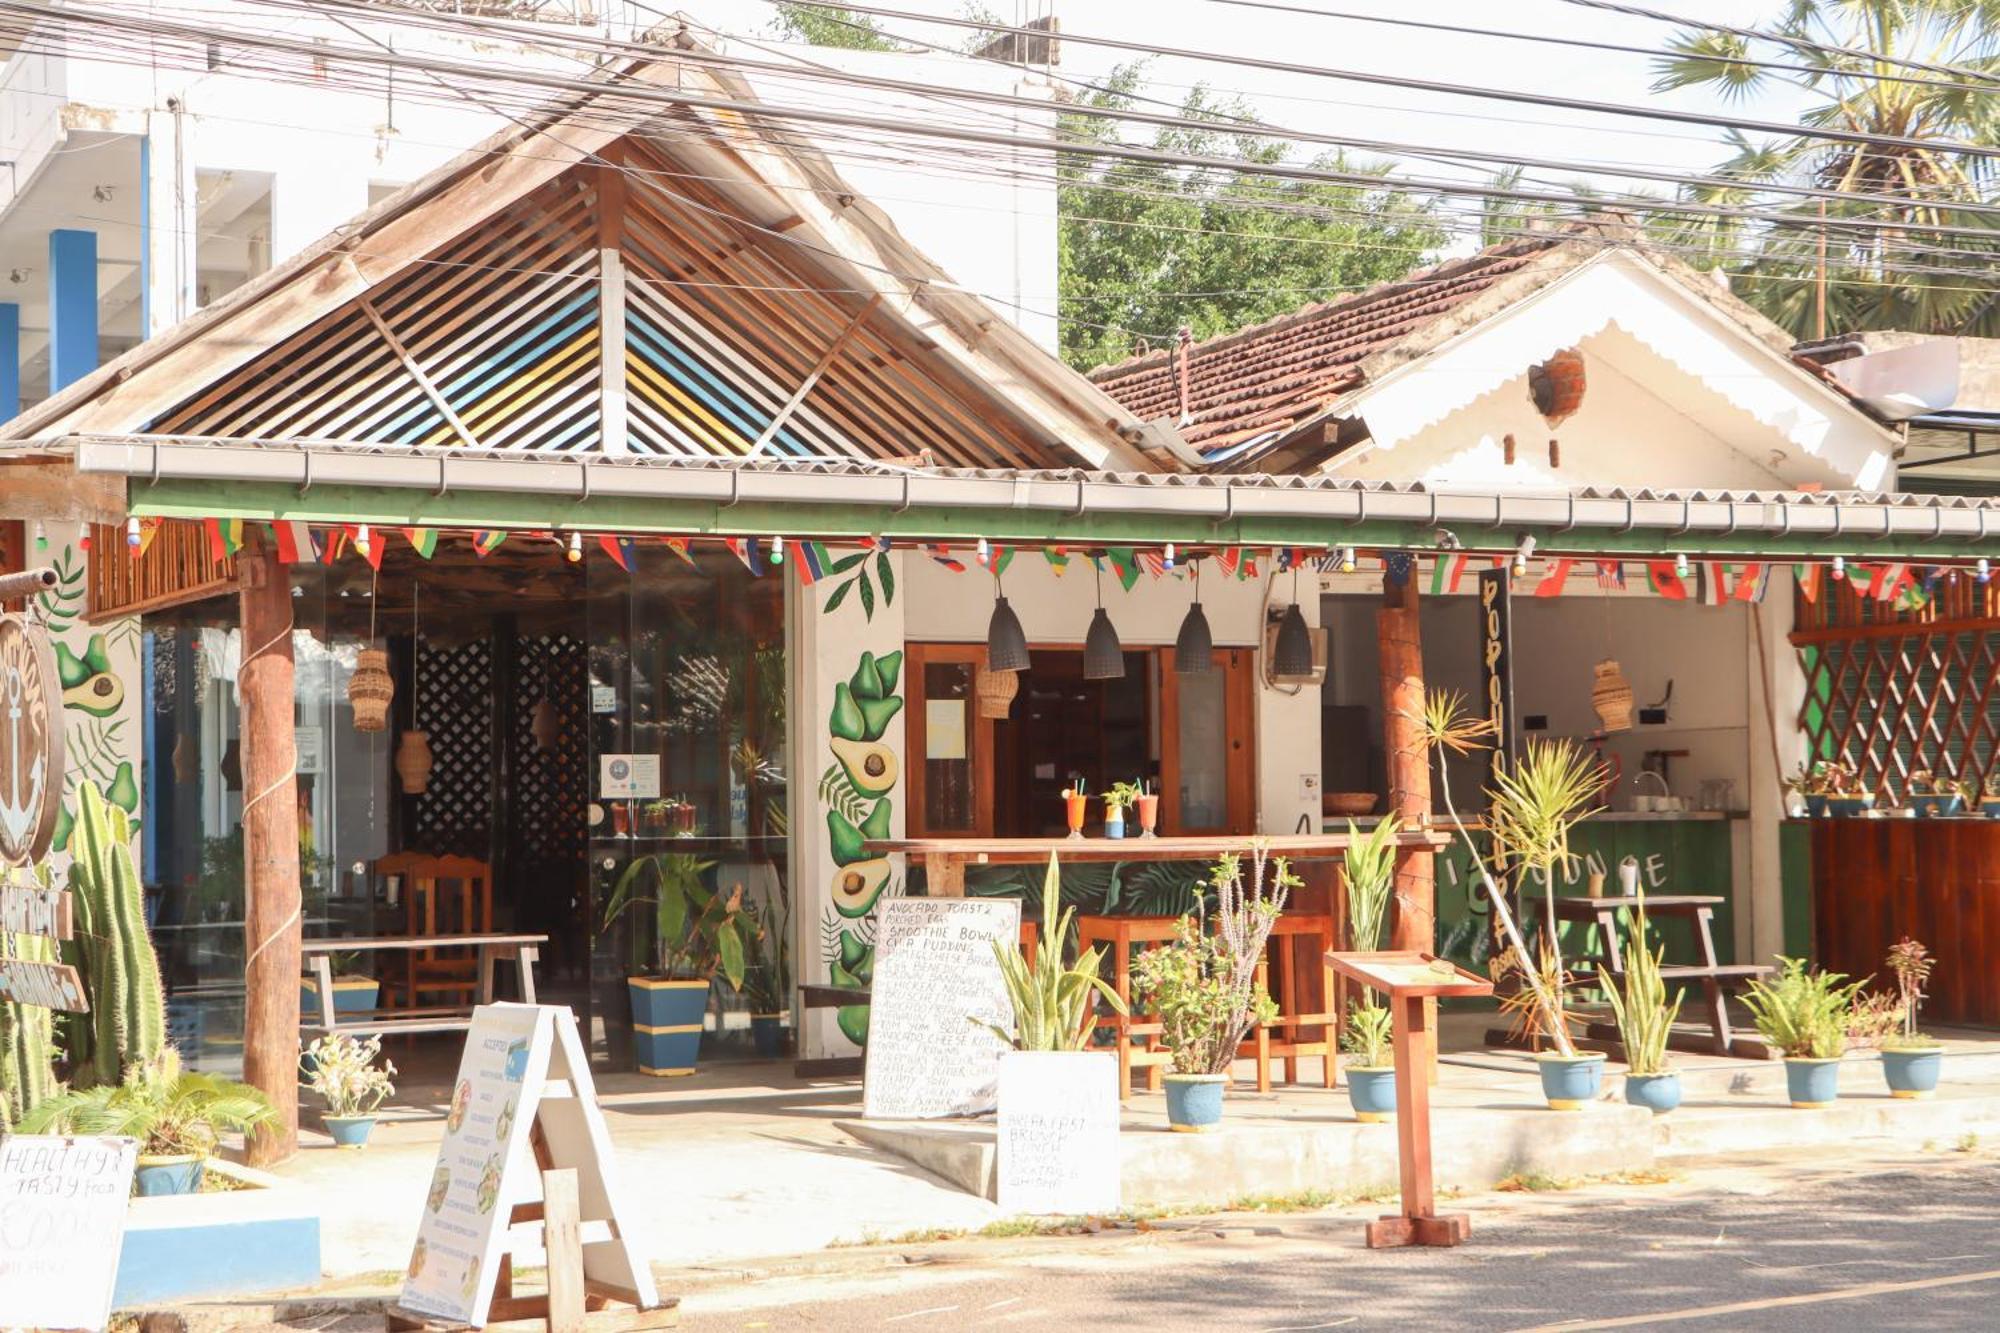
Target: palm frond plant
(174,1113)
(1054,1005)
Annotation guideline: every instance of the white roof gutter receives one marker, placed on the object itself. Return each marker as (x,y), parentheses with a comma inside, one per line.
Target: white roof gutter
(1845,517)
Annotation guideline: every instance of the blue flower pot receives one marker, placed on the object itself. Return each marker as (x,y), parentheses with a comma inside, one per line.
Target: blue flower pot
(168,1175)
(1658,1093)
(1849,807)
(1114,828)
(1812,1083)
(1816,807)
(1913,1073)
(767,1035)
(666,1024)
(1937,807)
(349,1131)
(1372,1094)
(1568,1081)
(1194,1101)
(351,995)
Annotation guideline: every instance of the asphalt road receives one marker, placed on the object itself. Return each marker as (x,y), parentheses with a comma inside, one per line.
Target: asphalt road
(1915,1249)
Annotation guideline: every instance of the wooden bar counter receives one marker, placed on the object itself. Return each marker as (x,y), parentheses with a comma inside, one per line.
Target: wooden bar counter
(1875,881)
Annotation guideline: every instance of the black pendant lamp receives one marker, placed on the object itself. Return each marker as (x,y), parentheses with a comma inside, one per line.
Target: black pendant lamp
(1293,655)
(1103,659)
(1006,645)
(1194,647)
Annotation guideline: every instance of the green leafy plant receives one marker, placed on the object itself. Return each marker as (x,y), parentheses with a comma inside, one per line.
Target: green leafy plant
(341,1070)
(1367,1037)
(767,982)
(1645,1016)
(171,1111)
(695,932)
(1204,985)
(1910,963)
(1053,1004)
(1802,1011)
(1122,795)
(1370,866)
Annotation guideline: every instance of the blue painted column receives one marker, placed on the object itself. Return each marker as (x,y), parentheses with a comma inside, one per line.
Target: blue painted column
(10,361)
(72,307)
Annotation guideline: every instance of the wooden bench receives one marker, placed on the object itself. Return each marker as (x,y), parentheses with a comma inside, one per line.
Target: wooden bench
(523,949)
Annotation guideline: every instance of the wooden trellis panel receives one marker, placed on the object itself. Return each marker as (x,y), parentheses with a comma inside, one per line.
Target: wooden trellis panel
(548,788)
(1891,699)
(177,568)
(454,704)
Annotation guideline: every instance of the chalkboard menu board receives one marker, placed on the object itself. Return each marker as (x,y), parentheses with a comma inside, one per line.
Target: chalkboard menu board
(62,1223)
(1058,1150)
(934,974)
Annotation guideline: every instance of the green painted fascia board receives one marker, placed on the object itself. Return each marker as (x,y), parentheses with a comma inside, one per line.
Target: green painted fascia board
(401,507)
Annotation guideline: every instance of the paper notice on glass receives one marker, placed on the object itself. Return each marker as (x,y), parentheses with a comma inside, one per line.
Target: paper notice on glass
(62,1223)
(634,777)
(944,728)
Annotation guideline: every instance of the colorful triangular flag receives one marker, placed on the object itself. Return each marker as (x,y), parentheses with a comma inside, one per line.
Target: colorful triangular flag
(1057,557)
(745,549)
(1611,575)
(679,546)
(618,548)
(485,541)
(295,542)
(1124,564)
(1665,582)
(424,541)
(1751,580)
(1554,577)
(1808,577)
(1003,556)
(941,553)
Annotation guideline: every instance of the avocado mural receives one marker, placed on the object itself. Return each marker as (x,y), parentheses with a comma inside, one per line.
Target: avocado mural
(857,660)
(98,666)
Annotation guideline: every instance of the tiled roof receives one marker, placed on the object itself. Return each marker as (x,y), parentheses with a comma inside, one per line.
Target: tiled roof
(1261,382)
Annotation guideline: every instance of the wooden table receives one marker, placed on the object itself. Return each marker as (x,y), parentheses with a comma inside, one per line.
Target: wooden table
(945,859)
(1714,976)
(523,949)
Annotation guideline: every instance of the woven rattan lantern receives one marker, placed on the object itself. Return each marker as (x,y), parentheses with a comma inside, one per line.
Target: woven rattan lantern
(1611,696)
(996,691)
(370,689)
(413,762)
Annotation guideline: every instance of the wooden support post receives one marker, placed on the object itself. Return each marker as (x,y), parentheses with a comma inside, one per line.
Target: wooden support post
(1402,656)
(271,924)
(611,401)
(562,1238)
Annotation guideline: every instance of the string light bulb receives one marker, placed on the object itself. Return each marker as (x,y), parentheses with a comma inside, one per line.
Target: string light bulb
(1839,567)
(574,550)
(132,533)
(1681,566)
(1169,559)
(984,551)
(1983,570)
(777,550)
(361,539)
(1348,562)
(1523,553)
(41,536)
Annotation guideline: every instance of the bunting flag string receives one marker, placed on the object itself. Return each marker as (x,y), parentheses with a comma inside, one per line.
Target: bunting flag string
(295,542)
(486,541)
(811,563)
(941,553)
(1553,578)
(1611,575)
(745,550)
(1003,556)
(1808,577)
(424,541)
(1124,564)
(1710,581)
(1057,557)
(1751,581)
(1660,576)
(679,546)
(1447,571)
(367,544)
(618,548)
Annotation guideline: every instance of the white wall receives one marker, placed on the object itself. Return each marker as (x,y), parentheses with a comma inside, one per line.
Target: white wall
(944,607)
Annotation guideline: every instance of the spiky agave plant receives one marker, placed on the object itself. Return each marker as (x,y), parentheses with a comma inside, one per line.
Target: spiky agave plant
(1543,807)
(1645,1017)
(1052,1004)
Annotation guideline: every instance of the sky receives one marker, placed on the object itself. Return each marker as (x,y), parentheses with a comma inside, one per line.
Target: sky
(1371,112)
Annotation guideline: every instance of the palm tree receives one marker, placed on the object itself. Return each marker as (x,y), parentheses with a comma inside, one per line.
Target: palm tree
(1920,272)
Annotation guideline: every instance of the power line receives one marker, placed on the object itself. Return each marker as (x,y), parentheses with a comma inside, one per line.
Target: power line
(1091,148)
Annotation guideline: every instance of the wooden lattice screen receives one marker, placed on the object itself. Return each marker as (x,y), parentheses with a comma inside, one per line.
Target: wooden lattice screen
(454,704)
(1894,690)
(177,567)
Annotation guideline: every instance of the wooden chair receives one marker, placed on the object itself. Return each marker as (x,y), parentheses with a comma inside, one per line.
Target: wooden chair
(442,895)
(1284,1038)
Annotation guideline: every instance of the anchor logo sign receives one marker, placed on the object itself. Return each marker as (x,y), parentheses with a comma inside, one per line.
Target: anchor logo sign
(31,741)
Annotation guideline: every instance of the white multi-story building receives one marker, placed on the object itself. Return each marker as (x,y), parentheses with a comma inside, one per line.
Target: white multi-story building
(153,164)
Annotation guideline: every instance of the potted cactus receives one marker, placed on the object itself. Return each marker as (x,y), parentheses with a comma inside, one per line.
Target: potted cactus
(1645,1020)
(1804,1013)
(1911,1060)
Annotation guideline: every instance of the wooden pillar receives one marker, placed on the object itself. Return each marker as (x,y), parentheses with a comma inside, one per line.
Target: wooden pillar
(271,921)
(1413,925)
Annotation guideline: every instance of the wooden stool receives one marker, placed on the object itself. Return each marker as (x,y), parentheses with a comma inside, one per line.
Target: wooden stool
(1291,998)
(1121,933)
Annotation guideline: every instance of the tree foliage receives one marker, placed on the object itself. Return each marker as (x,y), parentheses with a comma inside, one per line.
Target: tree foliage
(1869,285)
(1146,248)
(828,25)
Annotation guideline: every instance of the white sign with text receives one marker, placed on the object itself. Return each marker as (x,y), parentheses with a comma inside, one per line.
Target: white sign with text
(1058,1138)
(62,1224)
(936,985)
